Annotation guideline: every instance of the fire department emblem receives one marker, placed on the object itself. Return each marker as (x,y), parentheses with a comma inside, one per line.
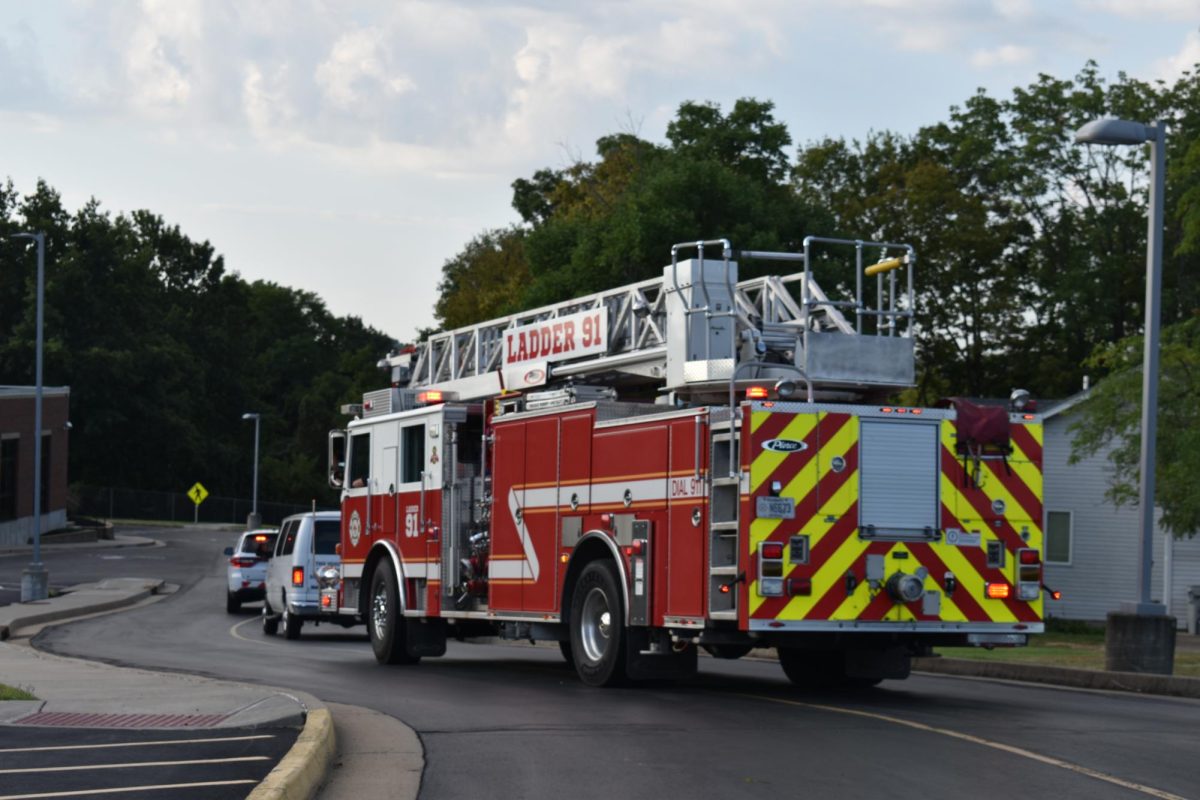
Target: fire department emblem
(355,529)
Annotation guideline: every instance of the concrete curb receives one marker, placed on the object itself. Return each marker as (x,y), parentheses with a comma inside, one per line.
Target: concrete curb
(301,772)
(1169,685)
(100,544)
(38,615)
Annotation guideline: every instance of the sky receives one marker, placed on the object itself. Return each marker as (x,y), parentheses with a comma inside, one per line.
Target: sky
(349,148)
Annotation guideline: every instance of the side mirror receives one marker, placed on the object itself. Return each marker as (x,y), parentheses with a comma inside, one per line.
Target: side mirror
(228,551)
(337,458)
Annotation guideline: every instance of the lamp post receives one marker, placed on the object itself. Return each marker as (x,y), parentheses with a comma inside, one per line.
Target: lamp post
(254,520)
(35,578)
(1144,624)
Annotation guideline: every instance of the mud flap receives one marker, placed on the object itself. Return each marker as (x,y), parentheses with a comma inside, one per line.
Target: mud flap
(642,665)
(892,663)
(425,637)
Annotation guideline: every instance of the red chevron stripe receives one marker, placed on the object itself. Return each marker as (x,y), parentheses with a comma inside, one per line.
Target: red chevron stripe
(821,433)
(978,560)
(1028,445)
(836,595)
(771,428)
(980,502)
(830,543)
(880,605)
(962,599)
(825,488)
(1025,498)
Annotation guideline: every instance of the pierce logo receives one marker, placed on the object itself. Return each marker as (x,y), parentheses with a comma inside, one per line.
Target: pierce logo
(784,446)
(355,530)
(534,376)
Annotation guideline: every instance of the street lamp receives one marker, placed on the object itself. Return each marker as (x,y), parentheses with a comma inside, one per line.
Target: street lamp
(35,578)
(254,520)
(1116,132)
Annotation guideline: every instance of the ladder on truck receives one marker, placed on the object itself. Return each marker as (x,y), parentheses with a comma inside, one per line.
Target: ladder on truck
(687,331)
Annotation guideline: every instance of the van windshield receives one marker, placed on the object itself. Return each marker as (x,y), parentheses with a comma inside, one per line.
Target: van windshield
(326,536)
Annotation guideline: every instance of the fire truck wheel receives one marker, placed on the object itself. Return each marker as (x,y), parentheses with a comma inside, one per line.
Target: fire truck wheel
(597,626)
(270,622)
(291,624)
(385,623)
(727,651)
(813,669)
(565,649)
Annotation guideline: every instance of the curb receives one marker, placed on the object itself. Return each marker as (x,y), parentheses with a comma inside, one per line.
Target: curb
(55,615)
(302,770)
(1141,683)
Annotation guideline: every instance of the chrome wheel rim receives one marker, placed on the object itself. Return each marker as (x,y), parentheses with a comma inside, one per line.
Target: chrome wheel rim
(596,628)
(379,611)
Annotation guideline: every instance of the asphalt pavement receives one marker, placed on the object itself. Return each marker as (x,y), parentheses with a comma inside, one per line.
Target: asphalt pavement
(336,750)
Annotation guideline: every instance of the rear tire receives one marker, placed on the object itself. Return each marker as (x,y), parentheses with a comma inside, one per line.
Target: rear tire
(813,669)
(598,637)
(565,649)
(385,619)
(270,622)
(291,624)
(232,604)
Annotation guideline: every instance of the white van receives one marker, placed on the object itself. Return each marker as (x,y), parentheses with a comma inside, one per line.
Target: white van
(306,544)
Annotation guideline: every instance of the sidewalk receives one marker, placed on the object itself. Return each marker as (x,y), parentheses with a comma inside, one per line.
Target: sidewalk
(381,754)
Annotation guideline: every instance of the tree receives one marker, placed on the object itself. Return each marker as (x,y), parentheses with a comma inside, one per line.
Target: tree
(486,280)
(1110,423)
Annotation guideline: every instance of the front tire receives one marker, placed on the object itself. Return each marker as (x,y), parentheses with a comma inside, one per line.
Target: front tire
(232,604)
(598,638)
(385,620)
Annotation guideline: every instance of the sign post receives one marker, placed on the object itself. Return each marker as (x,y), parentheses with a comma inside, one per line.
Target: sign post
(198,493)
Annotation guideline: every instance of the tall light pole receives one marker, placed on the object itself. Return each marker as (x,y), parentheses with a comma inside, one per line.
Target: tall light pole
(1118,132)
(254,520)
(35,578)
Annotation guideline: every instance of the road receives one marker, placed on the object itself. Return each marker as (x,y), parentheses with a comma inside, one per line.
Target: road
(513,721)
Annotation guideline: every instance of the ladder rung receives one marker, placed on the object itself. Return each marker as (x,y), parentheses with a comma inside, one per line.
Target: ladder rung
(726,481)
(721,571)
(731,614)
(727,525)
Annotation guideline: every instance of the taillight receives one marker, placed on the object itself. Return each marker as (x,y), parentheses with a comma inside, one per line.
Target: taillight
(770,569)
(326,601)
(756,393)
(998,591)
(1029,574)
(238,561)
(297,576)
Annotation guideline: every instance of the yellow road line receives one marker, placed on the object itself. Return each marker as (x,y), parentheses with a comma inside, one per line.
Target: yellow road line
(966,737)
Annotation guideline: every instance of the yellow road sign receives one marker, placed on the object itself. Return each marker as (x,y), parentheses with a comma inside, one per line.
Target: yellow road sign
(197,493)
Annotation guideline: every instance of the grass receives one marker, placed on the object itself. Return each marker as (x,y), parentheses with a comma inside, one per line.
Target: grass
(13,693)
(1083,649)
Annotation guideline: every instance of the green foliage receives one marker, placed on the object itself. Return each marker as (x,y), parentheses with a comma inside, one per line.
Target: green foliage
(484,281)
(1109,423)
(164,351)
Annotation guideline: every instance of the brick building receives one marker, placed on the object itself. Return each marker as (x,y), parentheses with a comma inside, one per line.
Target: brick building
(17,457)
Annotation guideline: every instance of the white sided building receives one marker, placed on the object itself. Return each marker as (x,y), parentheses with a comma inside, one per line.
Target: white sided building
(1092,545)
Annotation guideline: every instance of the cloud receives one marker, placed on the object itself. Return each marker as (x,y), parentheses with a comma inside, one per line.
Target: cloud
(1172,68)
(1142,9)
(1005,55)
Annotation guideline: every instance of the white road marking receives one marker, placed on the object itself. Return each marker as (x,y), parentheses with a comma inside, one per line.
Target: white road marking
(130,764)
(155,788)
(966,737)
(152,743)
(233,631)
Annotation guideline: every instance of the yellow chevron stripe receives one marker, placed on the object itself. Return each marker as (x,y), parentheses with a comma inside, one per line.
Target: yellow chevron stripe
(767,461)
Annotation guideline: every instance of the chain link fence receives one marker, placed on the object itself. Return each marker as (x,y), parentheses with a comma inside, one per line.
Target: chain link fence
(111,503)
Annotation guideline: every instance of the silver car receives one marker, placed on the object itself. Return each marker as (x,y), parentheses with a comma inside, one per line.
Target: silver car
(247,570)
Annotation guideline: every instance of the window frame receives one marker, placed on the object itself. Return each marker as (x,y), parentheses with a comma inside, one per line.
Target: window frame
(1070,538)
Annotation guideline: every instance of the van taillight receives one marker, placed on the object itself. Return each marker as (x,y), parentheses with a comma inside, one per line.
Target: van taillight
(239,561)
(297,576)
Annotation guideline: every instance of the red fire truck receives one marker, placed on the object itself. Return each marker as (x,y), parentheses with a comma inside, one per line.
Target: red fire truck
(691,462)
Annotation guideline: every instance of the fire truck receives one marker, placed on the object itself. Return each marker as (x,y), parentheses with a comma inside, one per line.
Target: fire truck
(691,462)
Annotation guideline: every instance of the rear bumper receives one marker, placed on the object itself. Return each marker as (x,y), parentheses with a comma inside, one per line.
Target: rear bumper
(249,593)
(786,626)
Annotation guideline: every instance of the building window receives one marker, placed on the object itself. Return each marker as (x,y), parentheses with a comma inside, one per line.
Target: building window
(1058,537)
(8,479)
